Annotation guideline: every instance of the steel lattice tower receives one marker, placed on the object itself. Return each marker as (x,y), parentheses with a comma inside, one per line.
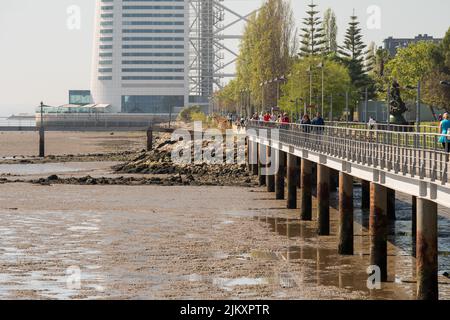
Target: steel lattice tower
(207,34)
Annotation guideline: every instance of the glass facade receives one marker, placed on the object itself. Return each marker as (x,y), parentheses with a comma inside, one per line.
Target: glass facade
(151,104)
(79,97)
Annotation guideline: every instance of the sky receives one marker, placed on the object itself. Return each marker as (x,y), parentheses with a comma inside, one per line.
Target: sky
(41,58)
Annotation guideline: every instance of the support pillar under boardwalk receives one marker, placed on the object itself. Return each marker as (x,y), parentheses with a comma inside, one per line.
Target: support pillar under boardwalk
(149,139)
(262,159)
(334,180)
(378,227)
(254,158)
(427,250)
(345,246)
(279,177)
(413,224)
(323,200)
(292,178)
(365,194)
(270,177)
(306,190)
(391,204)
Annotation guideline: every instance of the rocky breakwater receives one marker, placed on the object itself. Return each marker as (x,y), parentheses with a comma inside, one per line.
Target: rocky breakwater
(158,162)
(157,168)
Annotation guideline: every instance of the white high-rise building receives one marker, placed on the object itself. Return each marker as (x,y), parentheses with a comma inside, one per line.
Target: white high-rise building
(141,55)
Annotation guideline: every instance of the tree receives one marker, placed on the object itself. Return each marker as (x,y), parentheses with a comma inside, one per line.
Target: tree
(266,50)
(433,93)
(297,86)
(411,64)
(330,30)
(371,58)
(313,37)
(353,52)
(353,56)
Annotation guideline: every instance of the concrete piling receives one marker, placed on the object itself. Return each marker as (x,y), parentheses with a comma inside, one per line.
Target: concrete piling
(365,194)
(391,204)
(427,250)
(279,177)
(270,178)
(306,192)
(378,225)
(149,139)
(413,223)
(254,158)
(323,200)
(345,246)
(292,178)
(262,159)
(334,180)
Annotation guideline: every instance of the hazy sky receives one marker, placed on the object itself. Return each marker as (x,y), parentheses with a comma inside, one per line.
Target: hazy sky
(41,59)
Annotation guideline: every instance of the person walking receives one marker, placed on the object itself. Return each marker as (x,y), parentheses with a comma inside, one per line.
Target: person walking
(306,122)
(444,127)
(318,122)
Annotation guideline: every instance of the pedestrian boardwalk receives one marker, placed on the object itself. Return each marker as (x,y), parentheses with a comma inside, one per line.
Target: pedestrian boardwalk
(414,163)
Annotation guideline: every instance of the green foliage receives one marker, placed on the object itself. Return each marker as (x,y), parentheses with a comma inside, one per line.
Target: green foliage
(187,112)
(266,50)
(353,52)
(411,63)
(297,86)
(198,116)
(313,38)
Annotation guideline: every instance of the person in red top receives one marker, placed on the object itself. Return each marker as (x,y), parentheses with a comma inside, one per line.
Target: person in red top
(267,117)
(285,118)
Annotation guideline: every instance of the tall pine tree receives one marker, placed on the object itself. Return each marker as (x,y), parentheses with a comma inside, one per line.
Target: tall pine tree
(330,30)
(354,52)
(313,37)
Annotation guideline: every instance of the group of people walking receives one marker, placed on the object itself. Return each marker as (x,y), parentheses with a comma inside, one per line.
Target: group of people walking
(284,118)
(271,117)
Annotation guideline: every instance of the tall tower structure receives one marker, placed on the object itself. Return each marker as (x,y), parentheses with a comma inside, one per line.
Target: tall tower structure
(208,31)
(140,55)
(156,56)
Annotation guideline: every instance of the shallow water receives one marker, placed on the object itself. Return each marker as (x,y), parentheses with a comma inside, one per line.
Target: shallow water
(189,243)
(349,272)
(49,168)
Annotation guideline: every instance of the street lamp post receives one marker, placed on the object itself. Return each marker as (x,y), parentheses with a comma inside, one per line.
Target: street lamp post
(366,105)
(388,103)
(346,107)
(322,67)
(262,95)
(418,104)
(331,107)
(309,70)
(418,107)
(42,134)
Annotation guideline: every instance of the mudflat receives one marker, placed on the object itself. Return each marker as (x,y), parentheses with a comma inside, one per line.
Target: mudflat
(63,143)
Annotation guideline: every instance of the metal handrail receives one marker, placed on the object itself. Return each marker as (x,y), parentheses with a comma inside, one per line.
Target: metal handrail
(409,153)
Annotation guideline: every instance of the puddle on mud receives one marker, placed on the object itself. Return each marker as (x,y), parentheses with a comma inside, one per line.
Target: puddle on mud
(48,168)
(349,272)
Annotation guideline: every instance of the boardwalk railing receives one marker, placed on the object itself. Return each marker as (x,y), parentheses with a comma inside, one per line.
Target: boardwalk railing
(419,155)
(386,126)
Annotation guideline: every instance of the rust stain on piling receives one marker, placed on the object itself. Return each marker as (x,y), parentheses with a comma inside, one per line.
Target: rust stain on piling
(306,183)
(378,222)
(346,224)
(427,268)
(323,199)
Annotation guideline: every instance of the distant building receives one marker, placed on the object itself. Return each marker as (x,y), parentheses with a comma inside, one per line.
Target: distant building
(141,55)
(79,97)
(393,44)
